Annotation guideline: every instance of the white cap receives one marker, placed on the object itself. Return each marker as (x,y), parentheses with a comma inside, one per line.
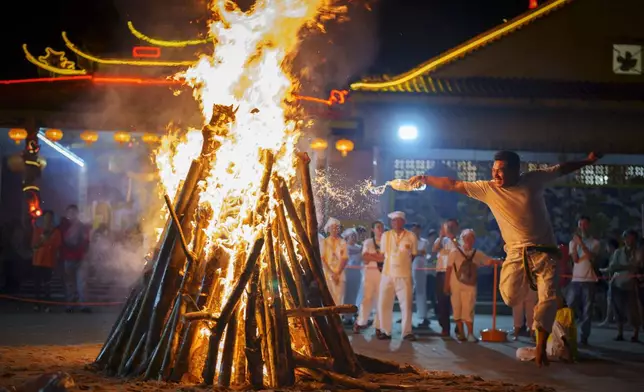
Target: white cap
(467,232)
(331,222)
(349,232)
(396,214)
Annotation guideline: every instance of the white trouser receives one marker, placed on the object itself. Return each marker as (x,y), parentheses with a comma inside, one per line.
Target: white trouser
(420,287)
(369,301)
(391,288)
(515,288)
(336,289)
(525,309)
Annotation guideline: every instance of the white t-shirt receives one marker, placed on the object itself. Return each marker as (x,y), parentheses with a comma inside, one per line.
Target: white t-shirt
(442,258)
(520,210)
(369,247)
(583,271)
(399,250)
(456,259)
(334,250)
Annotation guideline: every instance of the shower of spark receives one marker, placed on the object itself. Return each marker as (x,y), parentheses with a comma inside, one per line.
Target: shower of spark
(352,198)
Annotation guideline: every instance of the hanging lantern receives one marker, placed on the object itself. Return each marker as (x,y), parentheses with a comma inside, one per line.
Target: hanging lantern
(18,134)
(54,134)
(345,146)
(150,138)
(533,4)
(89,137)
(122,137)
(319,144)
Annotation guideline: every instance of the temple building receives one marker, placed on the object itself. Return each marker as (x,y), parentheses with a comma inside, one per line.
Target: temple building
(554,83)
(560,80)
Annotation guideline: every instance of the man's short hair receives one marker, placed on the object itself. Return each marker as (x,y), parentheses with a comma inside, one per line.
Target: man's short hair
(415,225)
(511,158)
(585,217)
(73,207)
(452,220)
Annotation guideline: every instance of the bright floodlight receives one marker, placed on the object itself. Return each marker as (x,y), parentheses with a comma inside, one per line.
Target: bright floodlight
(408,132)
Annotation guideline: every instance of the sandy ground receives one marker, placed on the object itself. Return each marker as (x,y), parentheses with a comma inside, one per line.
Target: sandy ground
(21,364)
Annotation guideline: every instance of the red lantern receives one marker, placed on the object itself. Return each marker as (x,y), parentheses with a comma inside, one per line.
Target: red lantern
(533,4)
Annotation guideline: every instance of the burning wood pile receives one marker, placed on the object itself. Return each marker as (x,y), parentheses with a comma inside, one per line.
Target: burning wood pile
(235,294)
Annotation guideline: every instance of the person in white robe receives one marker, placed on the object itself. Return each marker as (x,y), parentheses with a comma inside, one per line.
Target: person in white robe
(372,255)
(420,277)
(400,246)
(334,260)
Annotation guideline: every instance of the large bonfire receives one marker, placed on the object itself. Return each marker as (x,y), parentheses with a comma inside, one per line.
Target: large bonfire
(235,294)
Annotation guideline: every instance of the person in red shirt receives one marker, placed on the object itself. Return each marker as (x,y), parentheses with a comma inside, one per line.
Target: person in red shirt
(46,243)
(75,243)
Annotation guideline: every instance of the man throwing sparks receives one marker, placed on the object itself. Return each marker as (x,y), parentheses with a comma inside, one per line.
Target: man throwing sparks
(517,202)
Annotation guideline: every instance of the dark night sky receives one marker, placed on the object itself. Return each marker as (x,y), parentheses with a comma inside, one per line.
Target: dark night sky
(409,31)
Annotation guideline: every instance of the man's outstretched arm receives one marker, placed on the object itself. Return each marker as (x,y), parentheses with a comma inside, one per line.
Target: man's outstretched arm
(573,166)
(442,183)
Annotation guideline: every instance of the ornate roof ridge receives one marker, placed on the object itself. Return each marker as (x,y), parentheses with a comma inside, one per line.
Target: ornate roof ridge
(398,82)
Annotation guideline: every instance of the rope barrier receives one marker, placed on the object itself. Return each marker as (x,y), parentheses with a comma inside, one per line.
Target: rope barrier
(38,301)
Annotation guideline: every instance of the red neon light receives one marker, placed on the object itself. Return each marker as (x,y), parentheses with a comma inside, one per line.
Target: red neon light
(39,80)
(146,52)
(533,4)
(117,80)
(335,97)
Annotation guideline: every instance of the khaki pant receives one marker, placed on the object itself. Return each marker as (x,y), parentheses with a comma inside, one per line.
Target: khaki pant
(463,303)
(515,288)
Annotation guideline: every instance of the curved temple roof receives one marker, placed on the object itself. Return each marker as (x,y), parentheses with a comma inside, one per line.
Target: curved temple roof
(415,80)
(164,43)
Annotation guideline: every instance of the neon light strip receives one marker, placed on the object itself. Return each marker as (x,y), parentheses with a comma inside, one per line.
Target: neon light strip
(400,79)
(336,96)
(159,42)
(48,67)
(147,52)
(148,63)
(62,150)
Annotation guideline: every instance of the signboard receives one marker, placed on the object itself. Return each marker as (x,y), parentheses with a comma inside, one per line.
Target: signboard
(627,59)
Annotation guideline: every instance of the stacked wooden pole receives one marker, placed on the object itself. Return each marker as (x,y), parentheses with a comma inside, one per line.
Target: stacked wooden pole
(273,322)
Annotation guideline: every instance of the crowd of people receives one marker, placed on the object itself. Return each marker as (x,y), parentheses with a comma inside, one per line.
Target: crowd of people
(66,246)
(530,275)
(399,263)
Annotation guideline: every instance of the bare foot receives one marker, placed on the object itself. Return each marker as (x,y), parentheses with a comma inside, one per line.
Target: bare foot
(542,358)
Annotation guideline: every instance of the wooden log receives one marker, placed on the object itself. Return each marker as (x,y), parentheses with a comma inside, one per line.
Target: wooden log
(171,279)
(225,370)
(325,311)
(284,359)
(382,366)
(201,315)
(191,334)
(101,358)
(227,311)
(309,201)
(123,334)
(253,342)
(133,359)
(349,382)
(161,263)
(304,361)
(298,274)
(263,328)
(156,357)
(336,338)
(239,357)
(270,348)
